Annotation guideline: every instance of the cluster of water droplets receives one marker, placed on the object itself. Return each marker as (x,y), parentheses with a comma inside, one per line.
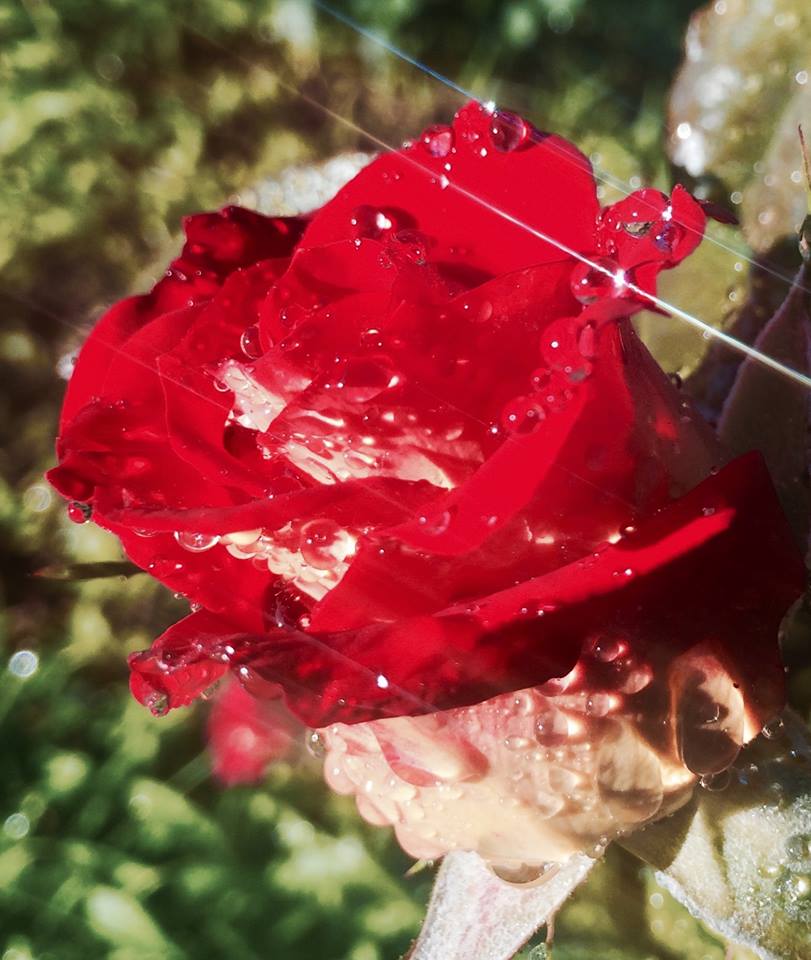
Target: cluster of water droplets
(530,777)
(312,555)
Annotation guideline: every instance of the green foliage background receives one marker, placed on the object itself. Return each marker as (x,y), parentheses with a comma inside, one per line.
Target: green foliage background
(116,118)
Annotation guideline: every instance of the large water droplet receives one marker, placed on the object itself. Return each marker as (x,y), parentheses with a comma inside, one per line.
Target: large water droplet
(196,542)
(372,222)
(521,874)
(608,649)
(629,776)
(551,728)
(79,512)
(250,342)
(709,717)
(508,131)
(600,279)
(324,544)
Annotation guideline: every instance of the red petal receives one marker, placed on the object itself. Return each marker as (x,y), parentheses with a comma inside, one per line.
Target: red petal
(547,185)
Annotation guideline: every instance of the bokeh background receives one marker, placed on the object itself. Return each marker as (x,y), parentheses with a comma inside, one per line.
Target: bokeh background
(117,118)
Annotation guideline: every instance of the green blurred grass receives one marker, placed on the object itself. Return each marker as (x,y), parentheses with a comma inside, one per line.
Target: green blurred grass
(116,118)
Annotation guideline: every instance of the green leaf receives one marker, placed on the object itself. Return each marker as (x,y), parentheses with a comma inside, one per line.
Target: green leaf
(119,919)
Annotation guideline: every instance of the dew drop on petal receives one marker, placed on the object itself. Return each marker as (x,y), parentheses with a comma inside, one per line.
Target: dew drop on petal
(79,512)
(608,649)
(324,544)
(250,344)
(372,223)
(508,131)
(408,246)
(600,279)
(551,727)
(157,703)
(438,140)
(196,542)
(667,236)
(521,415)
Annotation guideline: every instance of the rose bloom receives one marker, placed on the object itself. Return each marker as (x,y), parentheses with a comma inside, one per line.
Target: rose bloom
(408,459)
(246,735)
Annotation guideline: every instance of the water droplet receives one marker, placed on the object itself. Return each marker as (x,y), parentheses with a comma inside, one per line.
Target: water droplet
(520,874)
(598,704)
(750,774)
(372,222)
(521,415)
(196,542)
(79,512)
(438,140)
(324,544)
(408,246)
(316,744)
(667,236)
(157,703)
(551,728)
(637,228)
(436,524)
(795,889)
(250,342)
(716,782)
(586,342)
(517,743)
(508,131)
(600,279)
(636,679)
(608,649)
(798,847)
(708,746)
(524,702)
(773,729)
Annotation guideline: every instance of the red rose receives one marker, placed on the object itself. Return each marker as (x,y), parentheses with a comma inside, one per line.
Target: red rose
(408,455)
(246,735)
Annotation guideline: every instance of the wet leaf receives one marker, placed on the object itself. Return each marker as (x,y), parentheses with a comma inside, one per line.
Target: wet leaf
(740,858)
(768,411)
(734,109)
